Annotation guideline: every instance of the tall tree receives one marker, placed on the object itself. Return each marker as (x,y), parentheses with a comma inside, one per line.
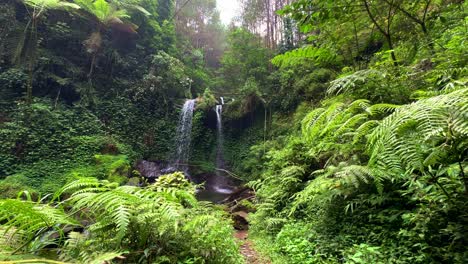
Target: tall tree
(199,27)
(382,16)
(262,17)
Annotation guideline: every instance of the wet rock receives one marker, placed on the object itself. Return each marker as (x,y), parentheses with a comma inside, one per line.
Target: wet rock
(240,220)
(151,169)
(241,200)
(240,194)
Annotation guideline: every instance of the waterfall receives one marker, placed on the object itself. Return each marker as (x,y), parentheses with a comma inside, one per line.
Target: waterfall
(220,183)
(183,136)
(220,138)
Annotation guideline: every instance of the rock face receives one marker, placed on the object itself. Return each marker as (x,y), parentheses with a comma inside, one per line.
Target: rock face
(240,204)
(238,195)
(152,169)
(240,220)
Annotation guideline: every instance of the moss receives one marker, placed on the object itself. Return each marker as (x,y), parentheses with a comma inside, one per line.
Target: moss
(111,166)
(48,176)
(203,142)
(11,186)
(134,181)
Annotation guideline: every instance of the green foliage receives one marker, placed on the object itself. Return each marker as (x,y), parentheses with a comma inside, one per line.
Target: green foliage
(43,148)
(48,176)
(115,168)
(421,136)
(355,144)
(379,190)
(245,58)
(175,180)
(148,131)
(39,132)
(207,100)
(11,186)
(203,143)
(299,245)
(167,74)
(33,223)
(13,83)
(238,143)
(321,57)
(157,223)
(364,253)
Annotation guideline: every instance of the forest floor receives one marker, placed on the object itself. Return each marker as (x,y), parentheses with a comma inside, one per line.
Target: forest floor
(251,256)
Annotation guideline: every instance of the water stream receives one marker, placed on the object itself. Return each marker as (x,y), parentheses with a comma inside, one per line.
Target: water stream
(217,186)
(220,182)
(220,138)
(183,137)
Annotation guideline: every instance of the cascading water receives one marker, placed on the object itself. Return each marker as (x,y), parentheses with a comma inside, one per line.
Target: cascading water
(183,136)
(219,126)
(220,183)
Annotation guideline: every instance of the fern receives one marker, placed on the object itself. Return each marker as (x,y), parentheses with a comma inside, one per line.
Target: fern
(324,129)
(379,109)
(420,134)
(137,218)
(30,220)
(320,56)
(449,87)
(114,207)
(347,83)
(75,246)
(319,188)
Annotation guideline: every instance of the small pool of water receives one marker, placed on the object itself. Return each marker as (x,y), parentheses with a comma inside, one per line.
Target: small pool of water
(214,190)
(212,195)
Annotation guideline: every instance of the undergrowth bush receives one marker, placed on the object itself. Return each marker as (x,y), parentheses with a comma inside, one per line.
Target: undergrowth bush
(160,223)
(371,189)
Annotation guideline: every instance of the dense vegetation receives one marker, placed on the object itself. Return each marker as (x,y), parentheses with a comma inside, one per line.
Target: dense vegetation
(347,119)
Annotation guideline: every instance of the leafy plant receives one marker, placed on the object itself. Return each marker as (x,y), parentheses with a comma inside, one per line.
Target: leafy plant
(26,51)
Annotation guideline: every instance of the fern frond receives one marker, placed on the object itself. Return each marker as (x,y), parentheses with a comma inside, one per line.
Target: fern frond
(412,137)
(320,56)
(347,83)
(29,220)
(364,129)
(378,109)
(80,184)
(106,257)
(354,175)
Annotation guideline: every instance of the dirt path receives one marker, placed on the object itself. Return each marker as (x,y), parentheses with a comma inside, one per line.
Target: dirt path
(250,255)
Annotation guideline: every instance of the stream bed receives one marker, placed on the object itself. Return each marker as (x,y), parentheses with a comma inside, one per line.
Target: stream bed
(216,187)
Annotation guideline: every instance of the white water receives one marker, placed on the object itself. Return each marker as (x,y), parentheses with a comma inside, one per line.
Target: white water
(220,138)
(183,137)
(220,184)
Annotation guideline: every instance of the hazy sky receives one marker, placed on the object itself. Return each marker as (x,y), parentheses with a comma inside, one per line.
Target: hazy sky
(228,9)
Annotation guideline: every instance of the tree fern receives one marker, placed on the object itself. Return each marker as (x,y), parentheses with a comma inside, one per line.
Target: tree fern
(318,55)
(348,82)
(329,131)
(417,135)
